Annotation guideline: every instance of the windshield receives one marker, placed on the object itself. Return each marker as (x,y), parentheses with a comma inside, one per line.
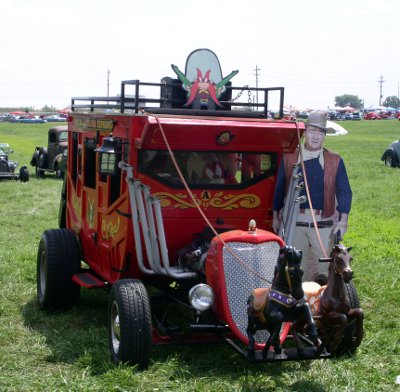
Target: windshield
(5,149)
(215,169)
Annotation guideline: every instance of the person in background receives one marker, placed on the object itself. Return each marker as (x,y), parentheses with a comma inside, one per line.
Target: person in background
(330,194)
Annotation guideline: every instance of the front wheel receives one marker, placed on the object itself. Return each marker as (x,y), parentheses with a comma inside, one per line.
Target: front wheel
(389,161)
(129,323)
(38,172)
(58,259)
(24,174)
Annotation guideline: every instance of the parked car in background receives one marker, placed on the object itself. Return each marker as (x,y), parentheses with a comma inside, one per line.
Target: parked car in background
(372,116)
(8,167)
(391,156)
(55,118)
(52,158)
(357,116)
(9,117)
(31,120)
(302,114)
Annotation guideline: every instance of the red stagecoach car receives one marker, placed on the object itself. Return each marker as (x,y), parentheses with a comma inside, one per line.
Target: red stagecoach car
(156,204)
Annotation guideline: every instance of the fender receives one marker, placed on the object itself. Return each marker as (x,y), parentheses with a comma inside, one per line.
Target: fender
(35,157)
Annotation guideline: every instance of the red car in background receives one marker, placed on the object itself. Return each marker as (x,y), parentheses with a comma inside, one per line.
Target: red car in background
(372,116)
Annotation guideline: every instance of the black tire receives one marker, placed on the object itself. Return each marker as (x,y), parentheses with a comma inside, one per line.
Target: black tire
(42,160)
(345,346)
(129,323)
(38,172)
(389,159)
(24,174)
(42,164)
(59,173)
(58,260)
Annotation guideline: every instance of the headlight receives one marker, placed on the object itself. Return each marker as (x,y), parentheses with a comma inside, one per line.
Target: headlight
(201,297)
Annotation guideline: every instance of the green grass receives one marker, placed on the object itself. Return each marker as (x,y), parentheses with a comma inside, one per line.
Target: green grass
(68,351)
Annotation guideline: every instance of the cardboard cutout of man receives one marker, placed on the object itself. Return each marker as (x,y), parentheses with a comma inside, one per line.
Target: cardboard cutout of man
(330,194)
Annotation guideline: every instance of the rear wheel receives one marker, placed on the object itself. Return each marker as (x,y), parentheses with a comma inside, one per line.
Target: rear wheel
(129,323)
(58,260)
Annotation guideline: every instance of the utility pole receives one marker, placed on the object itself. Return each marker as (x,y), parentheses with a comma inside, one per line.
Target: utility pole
(380,81)
(108,83)
(257,74)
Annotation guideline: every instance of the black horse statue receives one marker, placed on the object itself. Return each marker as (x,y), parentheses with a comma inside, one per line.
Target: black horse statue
(284,301)
(334,307)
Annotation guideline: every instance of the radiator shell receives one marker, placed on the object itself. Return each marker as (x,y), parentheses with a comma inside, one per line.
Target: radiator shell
(233,278)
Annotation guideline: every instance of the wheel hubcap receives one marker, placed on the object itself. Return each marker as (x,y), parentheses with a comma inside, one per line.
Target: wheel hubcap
(115,328)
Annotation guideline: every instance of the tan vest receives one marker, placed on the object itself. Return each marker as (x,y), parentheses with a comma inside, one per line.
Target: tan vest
(331,164)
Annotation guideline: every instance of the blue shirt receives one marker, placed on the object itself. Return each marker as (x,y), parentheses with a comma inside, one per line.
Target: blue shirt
(315,179)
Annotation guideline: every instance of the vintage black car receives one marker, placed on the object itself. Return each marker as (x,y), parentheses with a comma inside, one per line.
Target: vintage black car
(7,167)
(52,158)
(391,156)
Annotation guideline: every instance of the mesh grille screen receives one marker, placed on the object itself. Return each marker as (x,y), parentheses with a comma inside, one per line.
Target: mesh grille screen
(240,281)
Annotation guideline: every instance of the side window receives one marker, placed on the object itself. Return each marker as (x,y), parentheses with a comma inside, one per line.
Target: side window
(52,137)
(73,157)
(89,161)
(114,186)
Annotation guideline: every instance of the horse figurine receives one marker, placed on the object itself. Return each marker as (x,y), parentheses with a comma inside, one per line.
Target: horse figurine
(334,310)
(268,308)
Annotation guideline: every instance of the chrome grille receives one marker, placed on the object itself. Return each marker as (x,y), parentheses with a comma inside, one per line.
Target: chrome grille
(240,279)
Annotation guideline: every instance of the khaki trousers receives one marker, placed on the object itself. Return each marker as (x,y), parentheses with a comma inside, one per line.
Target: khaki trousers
(305,239)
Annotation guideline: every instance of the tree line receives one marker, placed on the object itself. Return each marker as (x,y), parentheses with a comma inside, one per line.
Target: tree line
(355,102)
(29,109)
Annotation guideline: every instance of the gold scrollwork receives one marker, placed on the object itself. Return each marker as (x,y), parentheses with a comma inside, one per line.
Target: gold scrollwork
(207,199)
(109,229)
(90,213)
(76,206)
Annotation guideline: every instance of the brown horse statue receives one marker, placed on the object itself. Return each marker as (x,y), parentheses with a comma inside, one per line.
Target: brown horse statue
(334,311)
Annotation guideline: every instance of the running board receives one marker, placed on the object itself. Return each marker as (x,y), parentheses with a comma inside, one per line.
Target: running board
(89,281)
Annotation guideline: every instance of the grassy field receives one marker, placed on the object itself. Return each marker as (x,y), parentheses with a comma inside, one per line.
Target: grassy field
(69,352)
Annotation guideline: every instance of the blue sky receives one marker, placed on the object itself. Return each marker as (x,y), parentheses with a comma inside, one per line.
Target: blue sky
(53,50)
